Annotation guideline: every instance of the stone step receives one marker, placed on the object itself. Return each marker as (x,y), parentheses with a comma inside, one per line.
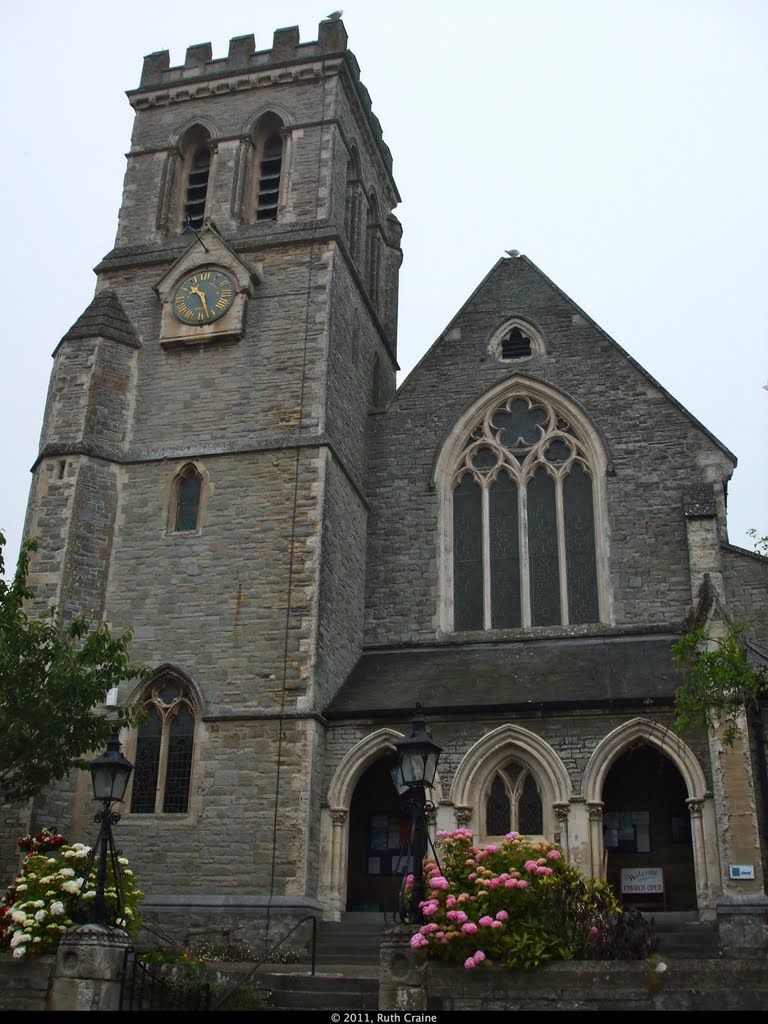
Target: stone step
(300,991)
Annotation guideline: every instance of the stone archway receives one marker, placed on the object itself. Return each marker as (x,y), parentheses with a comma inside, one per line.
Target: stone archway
(639,733)
(336,815)
(489,755)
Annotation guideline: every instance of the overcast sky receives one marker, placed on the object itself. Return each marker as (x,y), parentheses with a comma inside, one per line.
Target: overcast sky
(620,144)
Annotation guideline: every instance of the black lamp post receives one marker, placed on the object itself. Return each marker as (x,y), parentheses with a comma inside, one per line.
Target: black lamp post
(418,755)
(110,773)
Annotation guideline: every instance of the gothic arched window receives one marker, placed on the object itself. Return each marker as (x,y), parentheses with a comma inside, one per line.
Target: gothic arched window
(268,167)
(197,171)
(187,494)
(164,745)
(514,804)
(522,536)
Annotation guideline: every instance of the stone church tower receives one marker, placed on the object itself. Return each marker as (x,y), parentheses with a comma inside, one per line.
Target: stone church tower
(515,538)
(202,474)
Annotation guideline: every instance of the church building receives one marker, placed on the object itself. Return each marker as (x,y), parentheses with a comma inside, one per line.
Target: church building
(514,538)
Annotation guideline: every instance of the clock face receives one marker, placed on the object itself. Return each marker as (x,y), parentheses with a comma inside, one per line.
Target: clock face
(203,297)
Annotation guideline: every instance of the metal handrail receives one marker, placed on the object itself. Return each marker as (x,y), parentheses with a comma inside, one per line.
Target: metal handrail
(268,954)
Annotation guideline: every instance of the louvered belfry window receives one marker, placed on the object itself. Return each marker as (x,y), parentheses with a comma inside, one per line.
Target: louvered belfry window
(515,345)
(270,168)
(524,548)
(197,186)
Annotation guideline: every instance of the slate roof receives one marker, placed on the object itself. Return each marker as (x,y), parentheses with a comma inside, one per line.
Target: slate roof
(103,318)
(585,672)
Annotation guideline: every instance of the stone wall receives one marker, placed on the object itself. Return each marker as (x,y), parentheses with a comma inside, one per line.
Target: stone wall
(411,983)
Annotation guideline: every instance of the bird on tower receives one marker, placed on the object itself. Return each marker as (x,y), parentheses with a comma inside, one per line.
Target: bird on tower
(334,16)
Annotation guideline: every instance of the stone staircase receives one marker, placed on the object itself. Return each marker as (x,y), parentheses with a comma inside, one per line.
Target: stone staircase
(346,972)
(681,935)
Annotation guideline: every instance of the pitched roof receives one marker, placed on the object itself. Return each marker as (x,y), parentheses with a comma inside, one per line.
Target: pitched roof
(103,318)
(579,672)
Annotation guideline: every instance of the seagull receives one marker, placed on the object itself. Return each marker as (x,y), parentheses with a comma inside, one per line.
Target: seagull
(512,252)
(334,16)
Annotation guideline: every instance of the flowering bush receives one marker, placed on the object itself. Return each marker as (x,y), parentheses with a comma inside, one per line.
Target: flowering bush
(40,904)
(516,903)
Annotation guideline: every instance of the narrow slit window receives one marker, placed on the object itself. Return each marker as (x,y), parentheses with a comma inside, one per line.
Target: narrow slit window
(188,491)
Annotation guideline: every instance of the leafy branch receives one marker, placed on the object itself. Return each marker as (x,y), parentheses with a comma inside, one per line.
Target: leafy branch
(718,681)
(53,684)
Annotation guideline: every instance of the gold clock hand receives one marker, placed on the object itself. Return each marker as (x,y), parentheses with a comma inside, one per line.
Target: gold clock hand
(201,296)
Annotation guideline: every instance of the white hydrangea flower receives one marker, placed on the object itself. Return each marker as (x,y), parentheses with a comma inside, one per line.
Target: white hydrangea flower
(17,916)
(41,915)
(19,952)
(18,938)
(122,860)
(39,903)
(21,888)
(57,908)
(67,872)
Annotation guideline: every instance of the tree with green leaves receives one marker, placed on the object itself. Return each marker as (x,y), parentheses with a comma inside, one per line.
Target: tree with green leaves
(54,680)
(718,681)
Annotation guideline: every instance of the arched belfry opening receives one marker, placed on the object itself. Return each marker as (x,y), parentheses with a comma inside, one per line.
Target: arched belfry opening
(647,825)
(378,836)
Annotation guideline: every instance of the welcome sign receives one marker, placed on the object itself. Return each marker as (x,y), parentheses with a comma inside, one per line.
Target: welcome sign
(642,880)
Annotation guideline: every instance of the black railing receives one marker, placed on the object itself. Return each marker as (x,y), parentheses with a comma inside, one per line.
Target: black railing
(146,986)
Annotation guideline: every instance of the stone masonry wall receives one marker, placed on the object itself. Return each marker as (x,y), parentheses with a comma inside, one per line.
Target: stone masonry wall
(655,452)
(746,579)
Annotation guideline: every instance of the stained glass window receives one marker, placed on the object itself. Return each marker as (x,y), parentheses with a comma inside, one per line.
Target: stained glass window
(524,524)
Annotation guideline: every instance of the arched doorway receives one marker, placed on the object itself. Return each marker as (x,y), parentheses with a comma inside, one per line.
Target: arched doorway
(647,824)
(378,835)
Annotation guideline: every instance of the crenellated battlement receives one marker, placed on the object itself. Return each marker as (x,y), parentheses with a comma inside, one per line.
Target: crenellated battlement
(286,48)
(245,67)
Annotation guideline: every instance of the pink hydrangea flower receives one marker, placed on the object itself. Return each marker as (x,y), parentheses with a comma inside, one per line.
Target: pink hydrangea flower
(418,940)
(491,849)
(452,914)
(440,834)
(497,924)
(461,917)
(479,956)
(485,922)
(502,915)
(554,855)
(472,875)
(450,901)
(594,931)
(530,865)
(469,928)
(512,835)
(469,963)
(541,860)
(522,884)
(510,883)
(438,882)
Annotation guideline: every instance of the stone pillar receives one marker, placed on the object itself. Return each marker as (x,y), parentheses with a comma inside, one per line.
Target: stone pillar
(562,836)
(402,975)
(88,970)
(338,861)
(595,812)
(579,835)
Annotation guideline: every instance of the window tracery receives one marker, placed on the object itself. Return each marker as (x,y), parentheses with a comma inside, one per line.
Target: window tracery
(523,519)
(514,803)
(164,747)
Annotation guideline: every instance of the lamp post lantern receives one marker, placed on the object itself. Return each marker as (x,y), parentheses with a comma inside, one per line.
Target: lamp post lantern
(418,756)
(110,773)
